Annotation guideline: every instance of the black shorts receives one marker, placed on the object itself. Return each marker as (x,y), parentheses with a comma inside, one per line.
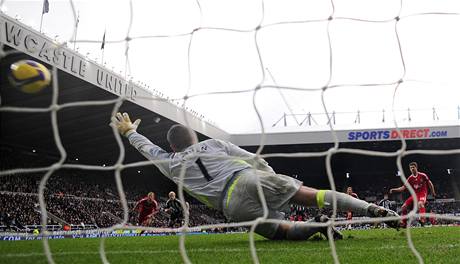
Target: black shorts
(173,219)
(176,217)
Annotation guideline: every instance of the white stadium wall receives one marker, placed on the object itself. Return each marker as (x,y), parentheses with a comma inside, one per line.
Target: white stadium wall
(362,135)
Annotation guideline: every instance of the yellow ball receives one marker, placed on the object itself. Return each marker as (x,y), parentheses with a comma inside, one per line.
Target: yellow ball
(29,76)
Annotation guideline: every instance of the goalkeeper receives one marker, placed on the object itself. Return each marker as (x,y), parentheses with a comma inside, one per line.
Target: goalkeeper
(224,177)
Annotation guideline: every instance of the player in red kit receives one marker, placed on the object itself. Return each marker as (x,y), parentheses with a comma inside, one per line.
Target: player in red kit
(147,208)
(350,213)
(420,182)
(350,192)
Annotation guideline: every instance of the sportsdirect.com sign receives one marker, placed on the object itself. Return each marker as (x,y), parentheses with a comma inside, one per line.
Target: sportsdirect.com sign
(392,134)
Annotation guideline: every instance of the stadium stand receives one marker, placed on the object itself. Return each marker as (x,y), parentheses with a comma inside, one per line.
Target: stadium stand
(88,199)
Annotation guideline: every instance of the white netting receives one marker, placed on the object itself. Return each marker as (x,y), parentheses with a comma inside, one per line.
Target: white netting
(395,83)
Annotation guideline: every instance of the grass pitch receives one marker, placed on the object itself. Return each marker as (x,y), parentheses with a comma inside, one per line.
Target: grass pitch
(435,244)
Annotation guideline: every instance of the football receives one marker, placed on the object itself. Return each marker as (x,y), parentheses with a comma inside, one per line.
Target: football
(29,76)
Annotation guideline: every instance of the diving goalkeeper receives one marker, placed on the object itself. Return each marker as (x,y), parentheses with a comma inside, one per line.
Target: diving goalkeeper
(224,177)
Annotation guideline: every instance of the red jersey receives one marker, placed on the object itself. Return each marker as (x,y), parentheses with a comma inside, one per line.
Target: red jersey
(146,207)
(419,183)
(353,195)
(350,213)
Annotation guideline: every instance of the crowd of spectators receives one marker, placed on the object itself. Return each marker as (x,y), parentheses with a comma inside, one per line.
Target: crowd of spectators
(70,183)
(24,208)
(91,198)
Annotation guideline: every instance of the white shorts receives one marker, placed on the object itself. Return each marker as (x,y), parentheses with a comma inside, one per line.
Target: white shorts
(241,201)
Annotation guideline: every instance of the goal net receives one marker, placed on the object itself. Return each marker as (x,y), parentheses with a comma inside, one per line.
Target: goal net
(239,69)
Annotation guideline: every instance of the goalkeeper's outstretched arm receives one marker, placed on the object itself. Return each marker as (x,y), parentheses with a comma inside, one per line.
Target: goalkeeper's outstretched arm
(123,124)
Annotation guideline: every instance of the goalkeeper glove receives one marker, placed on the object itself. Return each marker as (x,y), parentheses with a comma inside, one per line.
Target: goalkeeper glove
(123,123)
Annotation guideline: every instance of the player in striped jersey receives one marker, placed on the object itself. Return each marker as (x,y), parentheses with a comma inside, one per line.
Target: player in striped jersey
(174,209)
(387,204)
